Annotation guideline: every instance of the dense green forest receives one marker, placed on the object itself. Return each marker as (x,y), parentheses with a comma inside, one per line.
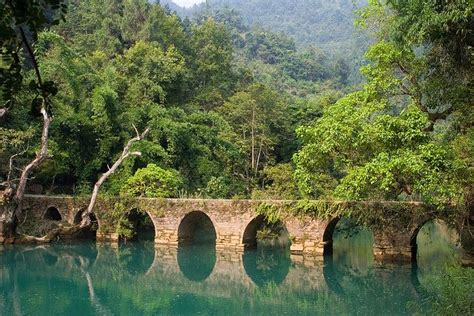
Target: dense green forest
(236,110)
(326,26)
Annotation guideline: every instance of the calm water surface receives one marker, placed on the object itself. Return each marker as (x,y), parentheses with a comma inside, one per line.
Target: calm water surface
(137,279)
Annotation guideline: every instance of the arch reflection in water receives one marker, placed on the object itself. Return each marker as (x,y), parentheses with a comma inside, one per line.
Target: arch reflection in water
(197,262)
(261,233)
(378,285)
(330,275)
(350,273)
(266,265)
(50,259)
(136,258)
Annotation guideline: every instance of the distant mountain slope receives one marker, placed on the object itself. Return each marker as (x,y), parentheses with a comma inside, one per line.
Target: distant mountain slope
(174,7)
(328,24)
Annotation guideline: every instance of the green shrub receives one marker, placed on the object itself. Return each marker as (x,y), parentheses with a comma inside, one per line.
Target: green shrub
(153,182)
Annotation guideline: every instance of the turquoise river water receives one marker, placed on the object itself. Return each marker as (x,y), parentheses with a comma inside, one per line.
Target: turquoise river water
(137,279)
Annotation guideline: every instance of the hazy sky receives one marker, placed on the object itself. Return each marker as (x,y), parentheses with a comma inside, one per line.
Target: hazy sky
(187,3)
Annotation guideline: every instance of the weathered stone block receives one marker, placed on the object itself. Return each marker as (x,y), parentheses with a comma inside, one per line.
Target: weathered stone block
(297,259)
(319,251)
(297,247)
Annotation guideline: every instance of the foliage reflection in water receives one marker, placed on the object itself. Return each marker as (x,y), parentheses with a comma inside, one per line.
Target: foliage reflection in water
(267,266)
(139,279)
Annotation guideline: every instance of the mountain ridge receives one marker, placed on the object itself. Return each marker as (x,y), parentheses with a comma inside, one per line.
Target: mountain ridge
(328,25)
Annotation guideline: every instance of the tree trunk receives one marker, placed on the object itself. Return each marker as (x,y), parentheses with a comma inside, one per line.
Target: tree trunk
(258,157)
(14,211)
(253,138)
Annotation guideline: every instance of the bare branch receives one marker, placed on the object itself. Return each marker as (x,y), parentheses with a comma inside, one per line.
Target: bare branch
(40,156)
(4,112)
(125,153)
(5,183)
(136,130)
(11,167)
(145,133)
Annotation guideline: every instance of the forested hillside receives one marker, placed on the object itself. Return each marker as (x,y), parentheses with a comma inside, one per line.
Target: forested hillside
(222,102)
(326,25)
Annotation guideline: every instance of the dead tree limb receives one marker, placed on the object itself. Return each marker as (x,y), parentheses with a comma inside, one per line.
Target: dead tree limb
(9,192)
(52,235)
(3,112)
(40,157)
(125,153)
(10,165)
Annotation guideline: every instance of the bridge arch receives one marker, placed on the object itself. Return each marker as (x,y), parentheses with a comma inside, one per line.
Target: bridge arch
(328,234)
(52,213)
(196,227)
(140,225)
(197,238)
(354,236)
(449,236)
(249,235)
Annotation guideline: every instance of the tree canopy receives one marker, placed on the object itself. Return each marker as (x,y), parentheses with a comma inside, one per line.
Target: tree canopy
(408,133)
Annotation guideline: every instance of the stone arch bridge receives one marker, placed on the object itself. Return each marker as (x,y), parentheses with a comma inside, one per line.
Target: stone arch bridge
(235,222)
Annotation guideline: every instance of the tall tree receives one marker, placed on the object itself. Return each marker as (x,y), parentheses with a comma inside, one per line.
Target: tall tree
(257,116)
(400,135)
(211,63)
